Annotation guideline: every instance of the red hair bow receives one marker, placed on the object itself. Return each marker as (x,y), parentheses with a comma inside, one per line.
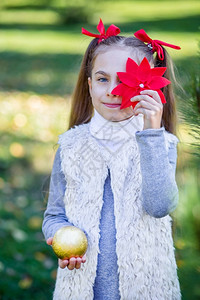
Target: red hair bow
(154,44)
(111,31)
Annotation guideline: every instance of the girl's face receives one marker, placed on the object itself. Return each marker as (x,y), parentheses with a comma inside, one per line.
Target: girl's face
(104,79)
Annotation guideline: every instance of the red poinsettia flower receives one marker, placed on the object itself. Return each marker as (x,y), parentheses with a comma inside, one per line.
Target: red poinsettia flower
(138,78)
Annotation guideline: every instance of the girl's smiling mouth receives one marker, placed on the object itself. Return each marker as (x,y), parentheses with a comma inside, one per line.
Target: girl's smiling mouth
(112,105)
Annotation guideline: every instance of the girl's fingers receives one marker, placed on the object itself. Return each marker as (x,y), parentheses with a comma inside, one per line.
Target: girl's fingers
(147,112)
(153,94)
(72,263)
(146,98)
(148,95)
(78,263)
(49,241)
(84,259)
(148,105)
(151,118)
(151,109)
(63,263)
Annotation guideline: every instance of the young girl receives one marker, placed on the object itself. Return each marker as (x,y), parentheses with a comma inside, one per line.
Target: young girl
(114,178)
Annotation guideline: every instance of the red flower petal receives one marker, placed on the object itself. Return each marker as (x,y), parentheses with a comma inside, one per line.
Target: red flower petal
(144,70)
(128,104)
(158,71)
(125,104)
(162,97)
(118,90)
(134,103)
(127,95)
(131,66)
(158,82)
(128,79)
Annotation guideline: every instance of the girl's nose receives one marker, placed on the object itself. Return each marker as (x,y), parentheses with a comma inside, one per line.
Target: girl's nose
(109,94)
(110,89)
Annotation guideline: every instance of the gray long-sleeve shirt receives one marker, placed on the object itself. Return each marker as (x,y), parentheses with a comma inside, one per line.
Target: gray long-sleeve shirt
(160,197)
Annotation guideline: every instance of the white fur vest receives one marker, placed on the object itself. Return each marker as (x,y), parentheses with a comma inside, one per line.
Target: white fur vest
(144,246)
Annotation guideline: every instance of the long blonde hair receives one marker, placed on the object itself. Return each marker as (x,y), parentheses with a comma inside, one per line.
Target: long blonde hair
(82,108)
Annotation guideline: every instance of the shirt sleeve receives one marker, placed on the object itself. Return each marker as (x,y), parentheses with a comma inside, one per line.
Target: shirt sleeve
(54,215)
(158,155)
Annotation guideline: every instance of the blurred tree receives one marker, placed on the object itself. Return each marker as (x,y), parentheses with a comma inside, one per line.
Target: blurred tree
(70,12)
(20,4)
(191,115)
(75,13)
(191,111)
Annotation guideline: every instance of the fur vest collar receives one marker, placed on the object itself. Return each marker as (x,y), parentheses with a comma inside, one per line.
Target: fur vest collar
(144,246)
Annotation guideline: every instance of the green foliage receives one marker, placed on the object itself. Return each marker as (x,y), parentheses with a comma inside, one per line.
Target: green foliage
(187,235)
(27,264)
(191,108)
(75,14)
(23,4)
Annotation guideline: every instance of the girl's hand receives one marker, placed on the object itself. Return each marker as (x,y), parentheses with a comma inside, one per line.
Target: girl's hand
(151,107)
(72,263)
(69,263)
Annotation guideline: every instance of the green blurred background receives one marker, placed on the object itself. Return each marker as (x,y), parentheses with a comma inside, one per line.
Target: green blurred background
(40,53)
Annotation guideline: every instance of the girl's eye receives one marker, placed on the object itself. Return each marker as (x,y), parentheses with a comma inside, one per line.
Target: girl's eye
(102,79)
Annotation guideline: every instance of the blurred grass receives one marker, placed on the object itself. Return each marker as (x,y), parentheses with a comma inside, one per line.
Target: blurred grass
(39,60)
